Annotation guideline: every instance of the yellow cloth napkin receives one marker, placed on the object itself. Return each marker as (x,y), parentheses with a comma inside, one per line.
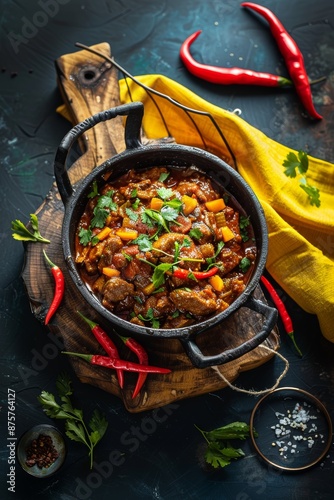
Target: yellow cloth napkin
(301,236)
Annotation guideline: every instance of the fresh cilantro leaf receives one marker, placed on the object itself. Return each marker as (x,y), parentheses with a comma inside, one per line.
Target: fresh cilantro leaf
(150,318)
(291,163)
(155,323)
(131,214)
(244,223)
(85,236)
(75,426)
(63,384)
(158,277)
(136,204)
(195,233)
(244,264)
(312,192)
(219,451)
(98,424)
(165,193)
(156,217)
(94,191)
(215,457)
(75,431)
(134,193)
(100,217)
(301,163)
(105,201)
(212,260)
(146,219)
(143,242)
(21,233)
(163,176)
(169,213)
(174,203)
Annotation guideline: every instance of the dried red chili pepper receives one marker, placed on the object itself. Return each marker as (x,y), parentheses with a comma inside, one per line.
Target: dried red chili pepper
(227,76)
(59,288)
(108,345)
(178,272)
(118,364)
(135,347)
(292,56)
(286,319)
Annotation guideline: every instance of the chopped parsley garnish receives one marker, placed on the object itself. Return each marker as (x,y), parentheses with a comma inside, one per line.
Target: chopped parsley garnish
(212,260)
(136,204)
(195,233)
(144,243)
(299,164)
(131,214)
(101,211)
(95,191)
(243,224)
(85,236)
(165,193)
(134,193)
(220,451)
(150,318)
(103,207)
(244,264)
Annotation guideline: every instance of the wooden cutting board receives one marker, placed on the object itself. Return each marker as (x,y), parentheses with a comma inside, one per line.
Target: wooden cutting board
(88,85)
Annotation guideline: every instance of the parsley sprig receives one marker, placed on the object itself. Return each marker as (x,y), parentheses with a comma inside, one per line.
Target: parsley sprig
(102,209)
(21,233)
(75,426)
(220,452)
(299,164)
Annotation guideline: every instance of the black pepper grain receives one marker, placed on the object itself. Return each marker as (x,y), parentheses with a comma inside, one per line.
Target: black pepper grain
(41,452)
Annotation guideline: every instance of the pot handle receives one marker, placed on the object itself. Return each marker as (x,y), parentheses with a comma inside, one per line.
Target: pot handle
(201,361)
(133,110)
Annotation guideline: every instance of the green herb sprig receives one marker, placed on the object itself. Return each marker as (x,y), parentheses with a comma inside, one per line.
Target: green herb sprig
(220,452)
(75,426)
(299,164)
(21,233)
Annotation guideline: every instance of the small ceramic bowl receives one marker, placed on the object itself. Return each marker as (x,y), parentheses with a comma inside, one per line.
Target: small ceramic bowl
(57,445)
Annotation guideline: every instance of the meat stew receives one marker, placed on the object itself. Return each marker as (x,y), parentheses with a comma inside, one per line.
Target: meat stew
(165,247)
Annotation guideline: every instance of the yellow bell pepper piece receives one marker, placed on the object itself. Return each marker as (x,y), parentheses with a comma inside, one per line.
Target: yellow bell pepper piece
(215,205)
(189,204)
(227,234)
(127,234)
(156,204)
(110,272)
(217,283)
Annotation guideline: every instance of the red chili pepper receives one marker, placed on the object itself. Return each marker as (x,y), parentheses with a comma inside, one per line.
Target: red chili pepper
(286,320)
(292,56)
(118,364)
(108,345)
(59,288)
(199,275)
(135,347)
(227,76)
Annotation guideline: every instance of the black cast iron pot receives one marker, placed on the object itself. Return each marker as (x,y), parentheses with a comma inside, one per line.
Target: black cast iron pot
(138,156)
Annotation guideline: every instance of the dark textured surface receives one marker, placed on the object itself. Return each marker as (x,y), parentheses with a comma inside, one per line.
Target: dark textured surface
(163,454)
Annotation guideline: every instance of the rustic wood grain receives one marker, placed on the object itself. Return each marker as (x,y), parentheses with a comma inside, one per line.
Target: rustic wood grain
(89,85)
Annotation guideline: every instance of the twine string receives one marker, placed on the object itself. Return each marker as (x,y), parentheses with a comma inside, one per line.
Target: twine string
(264,391)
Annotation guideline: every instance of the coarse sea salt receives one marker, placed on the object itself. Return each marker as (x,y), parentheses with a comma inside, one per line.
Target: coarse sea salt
(293,425)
